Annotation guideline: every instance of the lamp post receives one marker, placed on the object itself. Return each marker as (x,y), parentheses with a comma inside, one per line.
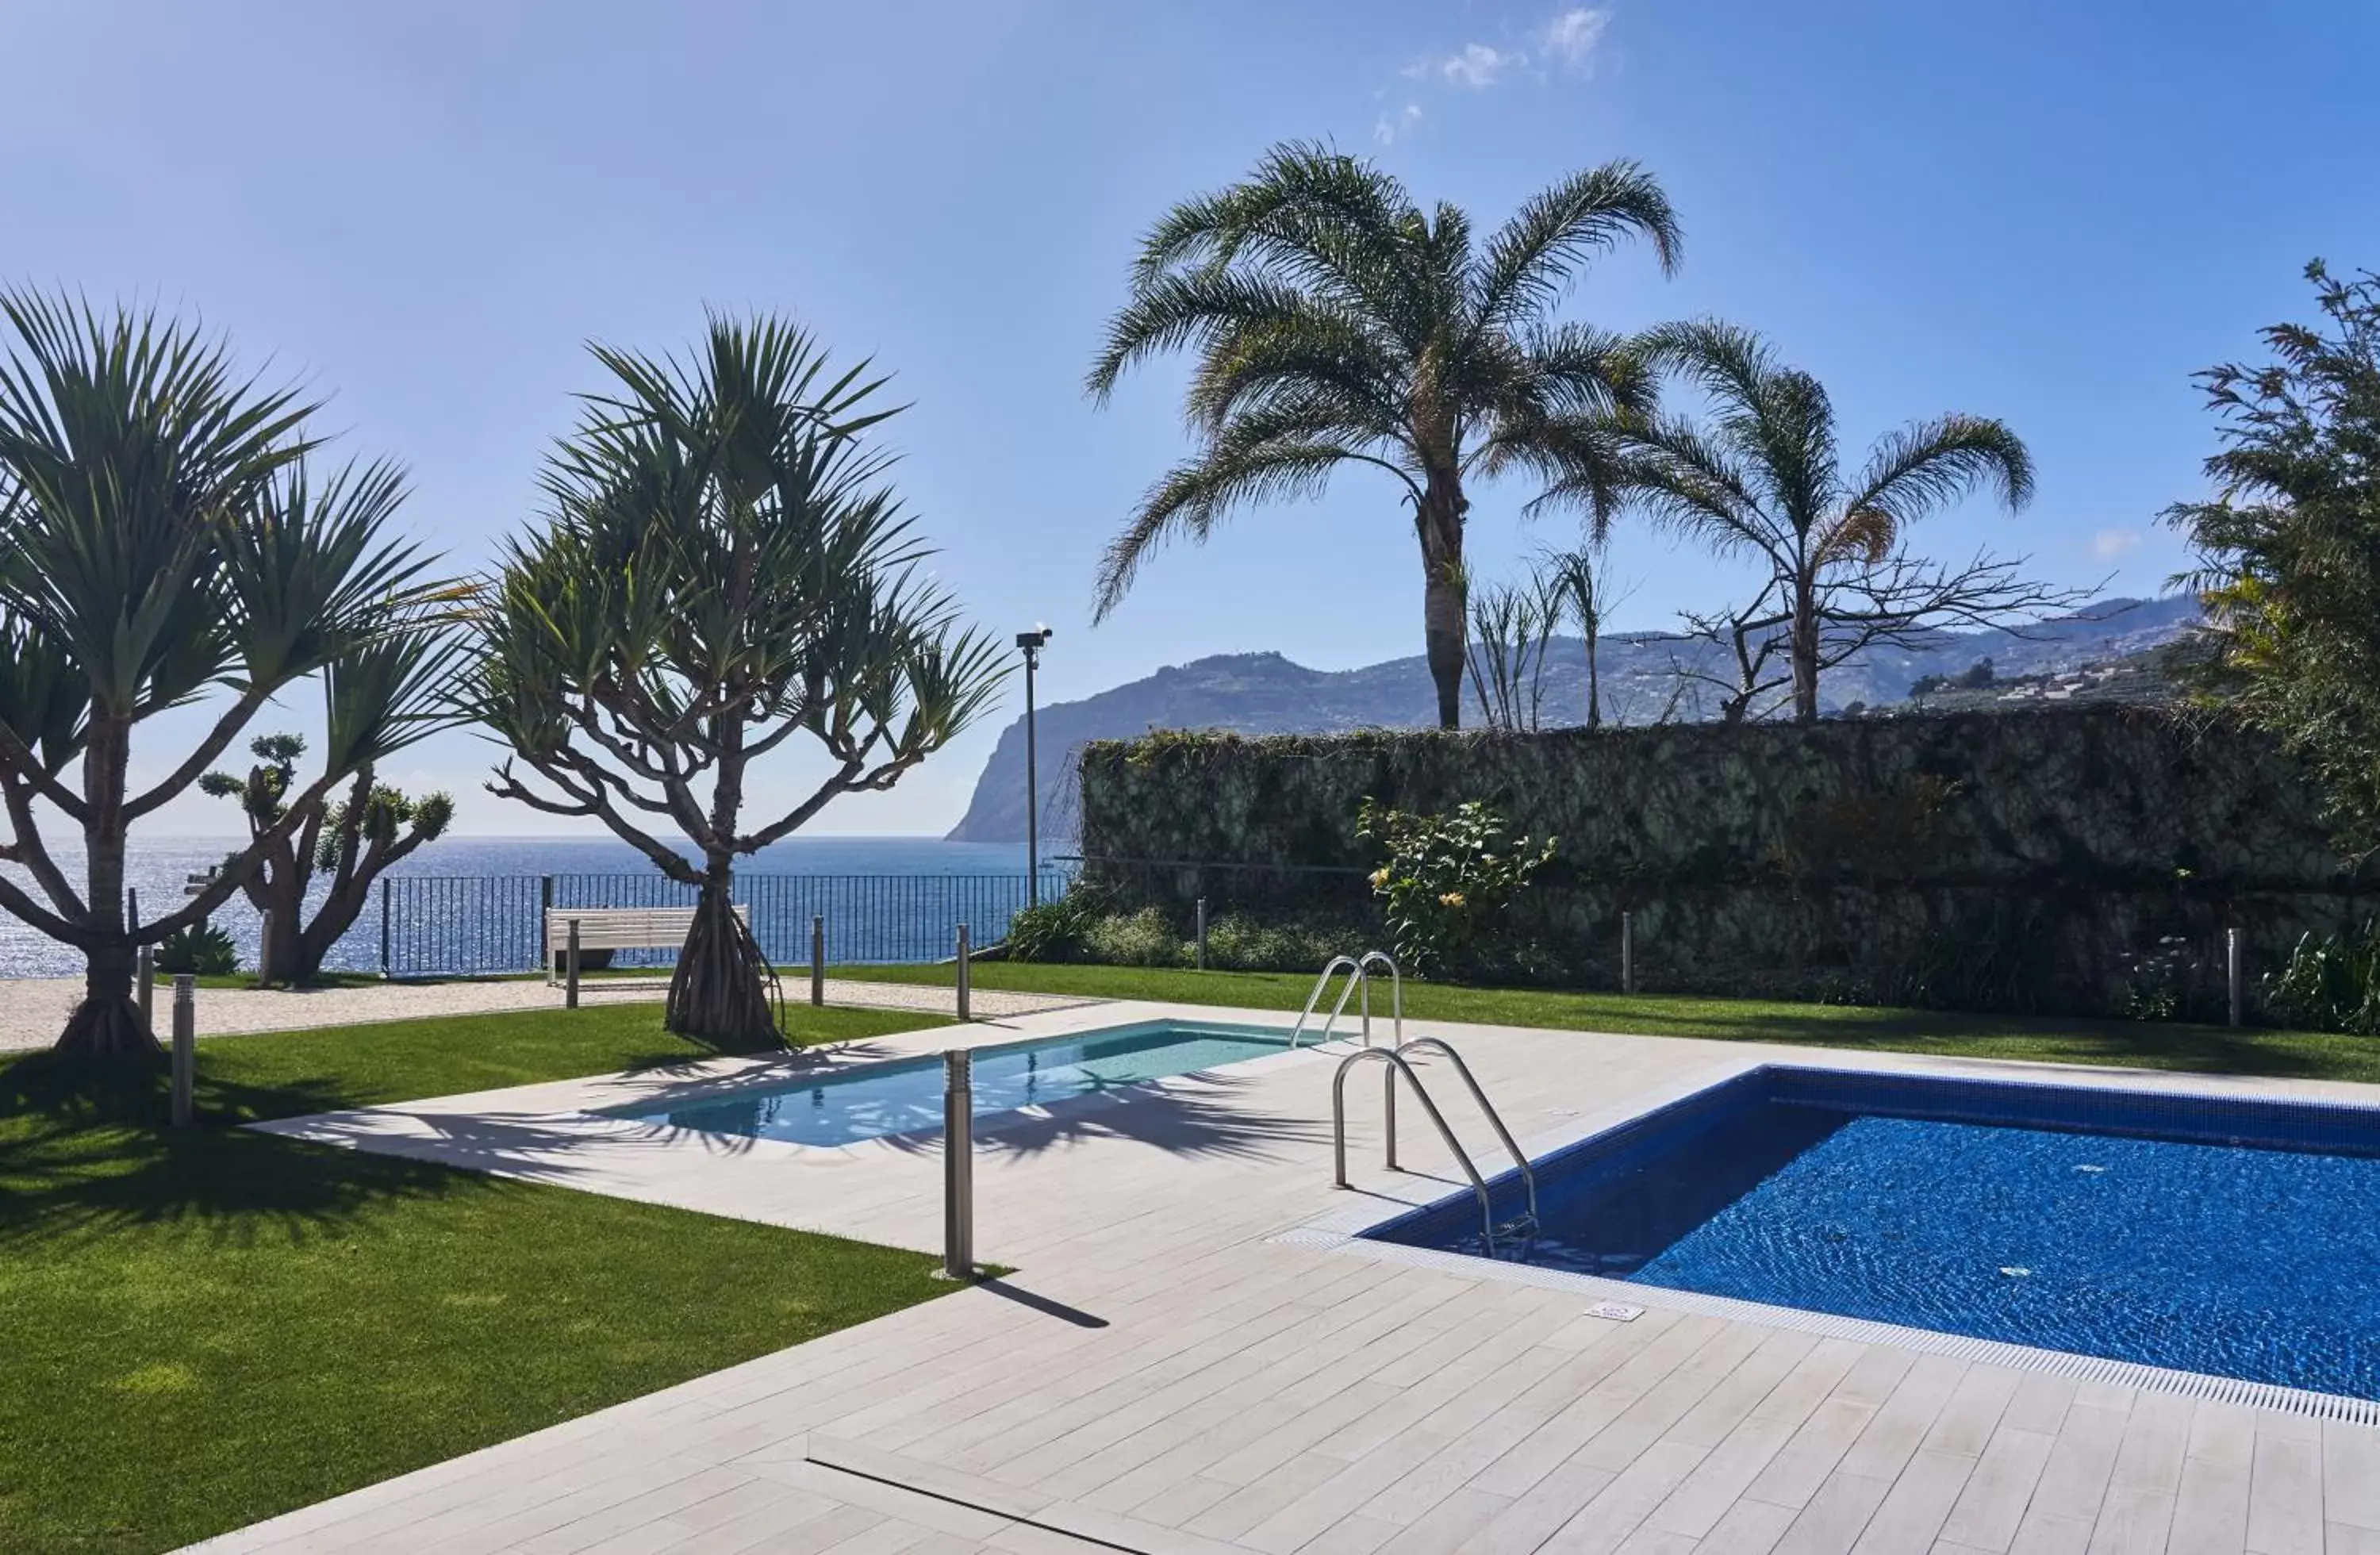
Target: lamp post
(1032,642)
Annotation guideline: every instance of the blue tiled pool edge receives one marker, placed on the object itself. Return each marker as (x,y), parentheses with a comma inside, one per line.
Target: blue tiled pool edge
(1350,1230)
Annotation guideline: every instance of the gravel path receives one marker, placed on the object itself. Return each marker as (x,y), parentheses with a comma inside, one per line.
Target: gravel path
(33,1010)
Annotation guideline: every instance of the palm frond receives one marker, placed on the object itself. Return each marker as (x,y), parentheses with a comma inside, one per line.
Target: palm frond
(1197,310)
(1245,466)
(1316,361)
(1533,257)
(1927,464)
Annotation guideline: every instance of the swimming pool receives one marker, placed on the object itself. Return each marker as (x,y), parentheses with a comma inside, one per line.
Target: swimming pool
(904,1097)
(2232,1238)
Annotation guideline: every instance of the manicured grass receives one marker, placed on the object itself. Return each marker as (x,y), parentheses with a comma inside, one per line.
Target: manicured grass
(208,1327)
(2206,1050)
(446,1055)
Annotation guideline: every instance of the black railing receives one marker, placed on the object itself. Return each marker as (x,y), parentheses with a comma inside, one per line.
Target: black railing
(457,926)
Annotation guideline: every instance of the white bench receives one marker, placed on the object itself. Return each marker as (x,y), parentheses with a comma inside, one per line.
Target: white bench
(611,928)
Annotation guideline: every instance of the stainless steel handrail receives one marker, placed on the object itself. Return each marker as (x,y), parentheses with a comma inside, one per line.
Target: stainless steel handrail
(1454,1146)
(1365,964)
(1359,980)
(1355,971)
(1495,1120)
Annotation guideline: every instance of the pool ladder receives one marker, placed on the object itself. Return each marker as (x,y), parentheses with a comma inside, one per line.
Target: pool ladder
(1398,1065)
(1359,970)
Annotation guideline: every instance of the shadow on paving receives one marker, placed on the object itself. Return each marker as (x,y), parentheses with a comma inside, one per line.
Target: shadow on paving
(1202,1116)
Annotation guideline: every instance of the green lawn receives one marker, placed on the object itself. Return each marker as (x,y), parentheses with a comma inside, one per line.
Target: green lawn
(2206,1049)
(297,1072)
(209,1326)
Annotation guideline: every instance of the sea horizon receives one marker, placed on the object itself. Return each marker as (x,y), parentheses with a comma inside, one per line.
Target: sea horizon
(157,867)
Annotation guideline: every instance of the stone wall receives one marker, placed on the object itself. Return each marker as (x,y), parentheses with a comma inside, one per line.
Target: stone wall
(2055,858)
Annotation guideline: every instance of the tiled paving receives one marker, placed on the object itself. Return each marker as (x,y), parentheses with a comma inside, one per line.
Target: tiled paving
(1158,1374)
(33,1010)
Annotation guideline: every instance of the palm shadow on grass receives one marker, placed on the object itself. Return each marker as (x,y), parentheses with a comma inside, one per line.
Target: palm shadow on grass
(86,1149)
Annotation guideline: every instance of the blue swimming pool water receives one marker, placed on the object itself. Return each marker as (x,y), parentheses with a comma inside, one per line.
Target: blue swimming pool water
(906,1096)
(2234,1239)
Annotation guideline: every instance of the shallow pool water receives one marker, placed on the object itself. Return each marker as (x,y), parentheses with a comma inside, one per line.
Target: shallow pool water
(906,1096)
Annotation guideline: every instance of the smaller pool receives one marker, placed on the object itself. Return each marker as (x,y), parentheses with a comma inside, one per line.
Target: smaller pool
(906,1096)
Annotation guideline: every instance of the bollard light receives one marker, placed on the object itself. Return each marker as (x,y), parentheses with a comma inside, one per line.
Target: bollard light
(966,974)
(958,1164)
(570,969)
(186,1047)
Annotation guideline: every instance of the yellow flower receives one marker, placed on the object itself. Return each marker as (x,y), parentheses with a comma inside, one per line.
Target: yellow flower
(1379,877)
(1451,899)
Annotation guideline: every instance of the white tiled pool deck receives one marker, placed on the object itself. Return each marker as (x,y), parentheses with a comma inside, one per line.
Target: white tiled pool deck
(1161,1374)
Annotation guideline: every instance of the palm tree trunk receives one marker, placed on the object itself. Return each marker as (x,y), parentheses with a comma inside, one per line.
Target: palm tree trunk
(1593,683)
(1444,606)
(716,994)
(107,1021)
(1805,650)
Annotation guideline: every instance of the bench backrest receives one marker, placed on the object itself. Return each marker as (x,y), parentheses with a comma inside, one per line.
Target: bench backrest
(622,928)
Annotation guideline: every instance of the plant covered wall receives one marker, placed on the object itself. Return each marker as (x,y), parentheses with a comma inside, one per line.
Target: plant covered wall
(2048,858)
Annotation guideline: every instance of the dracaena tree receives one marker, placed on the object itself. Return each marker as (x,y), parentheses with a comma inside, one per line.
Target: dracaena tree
(163,542)
(1337,323)
(721,570)
(1762,477)
(377,702)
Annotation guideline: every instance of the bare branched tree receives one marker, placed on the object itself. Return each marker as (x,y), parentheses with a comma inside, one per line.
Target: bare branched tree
(1511,625)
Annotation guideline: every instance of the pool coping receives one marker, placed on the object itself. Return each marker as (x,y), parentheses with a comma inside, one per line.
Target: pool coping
(1344,1231)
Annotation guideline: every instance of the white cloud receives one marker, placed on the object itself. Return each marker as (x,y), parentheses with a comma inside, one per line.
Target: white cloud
(1389,128)
(1475,65)
(1571,36)
(2109,544)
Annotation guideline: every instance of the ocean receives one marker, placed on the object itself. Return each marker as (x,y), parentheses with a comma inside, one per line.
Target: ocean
(472,902)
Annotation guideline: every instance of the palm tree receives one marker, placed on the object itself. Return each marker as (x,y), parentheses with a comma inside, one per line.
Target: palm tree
(160,543)
(1336,323)
(1761,478)
(721,569)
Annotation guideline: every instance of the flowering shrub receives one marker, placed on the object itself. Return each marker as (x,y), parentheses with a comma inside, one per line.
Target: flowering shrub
(1447,878)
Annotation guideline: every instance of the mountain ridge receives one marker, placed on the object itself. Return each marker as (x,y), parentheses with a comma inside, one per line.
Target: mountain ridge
(1265,692)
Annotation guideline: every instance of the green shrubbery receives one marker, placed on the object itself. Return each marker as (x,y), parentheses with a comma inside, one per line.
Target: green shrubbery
(1058,929)
(1447,880)
(202,949)
(2332,983)
(1083,926)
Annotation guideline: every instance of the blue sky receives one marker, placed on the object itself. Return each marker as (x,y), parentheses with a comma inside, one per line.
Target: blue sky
(2050,212)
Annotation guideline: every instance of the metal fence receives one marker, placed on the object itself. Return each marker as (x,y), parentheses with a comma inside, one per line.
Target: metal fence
(450,925)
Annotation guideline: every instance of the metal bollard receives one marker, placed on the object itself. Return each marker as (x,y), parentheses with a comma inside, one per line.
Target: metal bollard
(264,948)
(966,975)
(817,960)
(185,1046)
(147,987)
(958,1164)
(1202,934)
(570,967)
(2232,966)
(1627,953)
